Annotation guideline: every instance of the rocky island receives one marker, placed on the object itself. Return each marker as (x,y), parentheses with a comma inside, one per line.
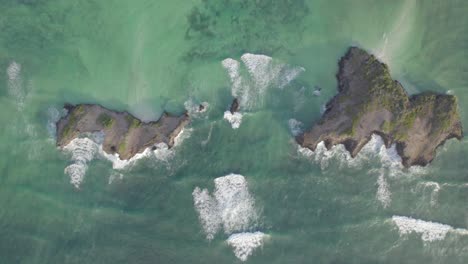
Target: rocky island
(124,134)
(370,102)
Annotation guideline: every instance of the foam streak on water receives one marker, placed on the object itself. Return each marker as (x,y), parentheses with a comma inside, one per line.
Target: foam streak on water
(15,84)
(384,194)
(430,231)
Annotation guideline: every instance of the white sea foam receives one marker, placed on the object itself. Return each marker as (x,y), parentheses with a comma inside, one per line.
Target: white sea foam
(288,74)
(263,72)
(234,119)
(244,244)
(235,204)
(115,176)
(53,116)
(374,149)
(13,71)
(384,194)
(15,84)
(184,134)
(207,208)
(230,206)
(430,231)
(204,142)
(193,107)
(432,187)
(389,162)
(296,127)
(232,67)
(82,151)
(85,149)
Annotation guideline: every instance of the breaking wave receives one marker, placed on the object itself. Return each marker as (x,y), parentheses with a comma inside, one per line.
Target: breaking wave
(263,72)
(234,119)
(375,152)
(82,150)
(244,244)
(85,149)
(430,231)
(232,208)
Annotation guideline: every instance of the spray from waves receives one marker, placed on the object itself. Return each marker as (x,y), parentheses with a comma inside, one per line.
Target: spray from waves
(232,208)
(263,72)
(430,231)
(85,149)
(244,244)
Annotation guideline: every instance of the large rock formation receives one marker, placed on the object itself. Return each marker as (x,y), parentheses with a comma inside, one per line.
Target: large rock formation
(123,133)
(370,101)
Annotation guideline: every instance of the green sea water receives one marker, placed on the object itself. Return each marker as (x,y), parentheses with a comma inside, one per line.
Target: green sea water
(149,56)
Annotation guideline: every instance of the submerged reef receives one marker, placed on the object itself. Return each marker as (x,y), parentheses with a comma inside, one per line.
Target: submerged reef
(370,102)
(124,134)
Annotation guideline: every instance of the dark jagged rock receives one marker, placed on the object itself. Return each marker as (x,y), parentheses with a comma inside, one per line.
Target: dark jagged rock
(124,133)
(370,101)
(234,106)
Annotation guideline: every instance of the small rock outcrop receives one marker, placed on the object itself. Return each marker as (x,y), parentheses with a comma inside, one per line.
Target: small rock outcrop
(234,106)
(369,101)
(124,134)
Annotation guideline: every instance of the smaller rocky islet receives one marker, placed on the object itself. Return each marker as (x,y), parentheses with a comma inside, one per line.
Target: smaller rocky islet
(368,102)
(124,134)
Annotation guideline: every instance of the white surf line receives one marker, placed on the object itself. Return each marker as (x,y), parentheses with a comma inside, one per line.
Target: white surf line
(85,149)
(430,231)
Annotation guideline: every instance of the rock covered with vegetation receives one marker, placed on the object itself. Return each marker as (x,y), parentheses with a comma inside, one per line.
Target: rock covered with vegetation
(370,101)
(124,134)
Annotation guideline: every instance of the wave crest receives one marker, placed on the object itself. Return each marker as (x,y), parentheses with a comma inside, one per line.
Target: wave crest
(244,244)
(430,231)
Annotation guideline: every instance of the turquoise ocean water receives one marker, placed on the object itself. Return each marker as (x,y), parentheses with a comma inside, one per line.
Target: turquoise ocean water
(149,56)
